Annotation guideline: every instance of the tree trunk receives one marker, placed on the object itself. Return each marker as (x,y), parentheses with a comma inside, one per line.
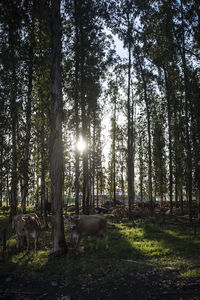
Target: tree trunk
(85,190)
(1,194)
(76,99)
(181,200)
(133,145)
(114,153)
(149,136)
(141,168)
(198,201)
(97,179)
(169,114)
(28,120)
(8,200)
(130,137)
(93,161)
(14,119)
(43,171)
(188,120)
(149,155)
(90,174)
(56,146)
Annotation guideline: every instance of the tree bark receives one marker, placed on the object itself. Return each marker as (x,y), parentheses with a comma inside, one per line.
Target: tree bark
(28,120)
(188,119)
(93,161)
(76,106)
(149,135)
(14,118)
(169,114)
(84,119)
(43,170)
(56,146)
(130,134)
(114,152)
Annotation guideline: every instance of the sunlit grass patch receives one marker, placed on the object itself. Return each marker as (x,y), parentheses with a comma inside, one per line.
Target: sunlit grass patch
(134,234)
(179,234)
(151,249)
(191,272)
(32,259)
(11,243)
(137,238)
(4,220)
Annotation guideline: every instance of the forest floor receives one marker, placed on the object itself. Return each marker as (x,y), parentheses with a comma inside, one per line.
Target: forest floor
(149,285)
(149,261)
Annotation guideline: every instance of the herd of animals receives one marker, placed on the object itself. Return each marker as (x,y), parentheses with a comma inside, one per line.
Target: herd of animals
(29,226)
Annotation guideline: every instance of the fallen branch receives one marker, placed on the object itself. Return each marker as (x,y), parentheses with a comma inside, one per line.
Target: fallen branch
(136,262)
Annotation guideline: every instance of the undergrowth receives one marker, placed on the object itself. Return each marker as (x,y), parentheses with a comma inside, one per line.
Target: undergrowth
(148,245)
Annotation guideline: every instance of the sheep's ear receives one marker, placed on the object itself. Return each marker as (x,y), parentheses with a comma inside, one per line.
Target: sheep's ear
(27,219)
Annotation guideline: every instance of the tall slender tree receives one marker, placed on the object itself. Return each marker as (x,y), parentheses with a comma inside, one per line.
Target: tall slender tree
(56,146)
(28,108)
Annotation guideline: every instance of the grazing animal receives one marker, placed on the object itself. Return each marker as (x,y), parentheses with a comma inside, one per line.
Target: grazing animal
(88,225)
(120,212)
(27,225)
(102,210)
(139,212)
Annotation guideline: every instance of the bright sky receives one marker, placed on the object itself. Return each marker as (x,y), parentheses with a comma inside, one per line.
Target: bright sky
(121,51)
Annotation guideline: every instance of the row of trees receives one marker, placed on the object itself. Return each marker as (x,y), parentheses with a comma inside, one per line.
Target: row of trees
(151,96)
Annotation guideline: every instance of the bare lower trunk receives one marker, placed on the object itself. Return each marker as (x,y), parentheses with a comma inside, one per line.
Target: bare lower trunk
(76,99)
(198,202)
(169,115)
(146,99)
(56,147)
(77,182)
(24,192)
(130,140)
(1,194)
(28,126)
(189,175)
(14,118)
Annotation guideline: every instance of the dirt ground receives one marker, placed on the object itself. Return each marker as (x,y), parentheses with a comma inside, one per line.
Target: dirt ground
(152,285)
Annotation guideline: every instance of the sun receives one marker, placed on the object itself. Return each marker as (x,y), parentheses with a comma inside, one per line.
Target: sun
(81,144)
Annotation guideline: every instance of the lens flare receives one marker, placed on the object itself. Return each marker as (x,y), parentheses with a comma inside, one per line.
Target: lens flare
(81,145)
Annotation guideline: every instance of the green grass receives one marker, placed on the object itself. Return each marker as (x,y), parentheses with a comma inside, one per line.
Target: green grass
(147,246)
(191,272)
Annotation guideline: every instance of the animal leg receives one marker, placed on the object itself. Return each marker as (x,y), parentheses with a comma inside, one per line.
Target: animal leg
(35,241)
(106,240)
(18,241)
(28,242)
(98,240)
(78,242)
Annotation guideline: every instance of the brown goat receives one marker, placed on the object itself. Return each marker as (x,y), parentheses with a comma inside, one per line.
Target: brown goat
(88,225)
(27,225)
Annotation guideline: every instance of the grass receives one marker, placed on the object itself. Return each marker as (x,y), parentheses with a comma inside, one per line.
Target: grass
(149,245)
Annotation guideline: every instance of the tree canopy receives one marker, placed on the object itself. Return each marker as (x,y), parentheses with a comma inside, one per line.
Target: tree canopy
(139,115)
